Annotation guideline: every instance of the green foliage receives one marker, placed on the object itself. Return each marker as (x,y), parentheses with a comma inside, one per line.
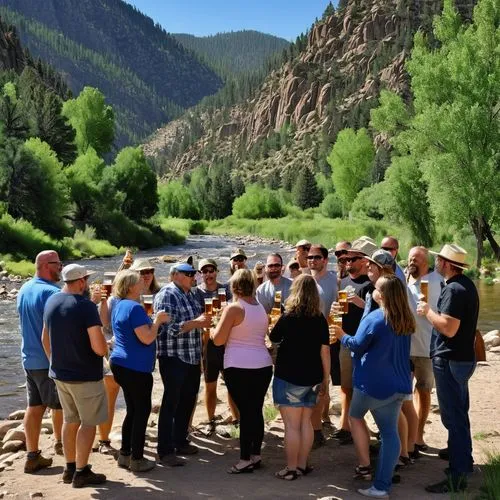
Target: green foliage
(258,203)
(371,202)
(21,268)
(331,206)
(305,192)
(175,200)
(92,119)
(351,158)
(391,116)
(85,241)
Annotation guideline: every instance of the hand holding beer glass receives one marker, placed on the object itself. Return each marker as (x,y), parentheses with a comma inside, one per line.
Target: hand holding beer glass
(334,320)
(147,303)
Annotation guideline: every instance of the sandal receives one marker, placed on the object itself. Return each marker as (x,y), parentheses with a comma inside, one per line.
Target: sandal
(421,447)
(257,464)
(287,474)
(363,472)
(304,471)
(244,470)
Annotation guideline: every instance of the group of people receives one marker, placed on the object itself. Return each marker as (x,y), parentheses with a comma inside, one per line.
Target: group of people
(393,329)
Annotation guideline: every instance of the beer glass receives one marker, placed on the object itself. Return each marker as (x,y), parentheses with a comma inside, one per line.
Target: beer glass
(147,302)
(215,303)
(221,292)
(424,290)
(343,301)
(208,307)
(107,282)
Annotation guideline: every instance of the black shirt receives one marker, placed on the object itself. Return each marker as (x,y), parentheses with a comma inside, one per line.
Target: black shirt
(460,300)
(299,354)
(362,285)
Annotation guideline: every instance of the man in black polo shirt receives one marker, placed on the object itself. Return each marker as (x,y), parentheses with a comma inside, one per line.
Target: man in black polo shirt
(74,343)
(453,361)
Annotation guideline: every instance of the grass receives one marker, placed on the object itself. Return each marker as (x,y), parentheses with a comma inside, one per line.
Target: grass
(183,227)
(480,436)
(270,413)
(23,268)
(491,486)
(85,242)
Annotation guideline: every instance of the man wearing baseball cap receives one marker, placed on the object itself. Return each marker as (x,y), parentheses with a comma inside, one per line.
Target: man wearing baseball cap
(213,359)
(237,260)
(73,341)
(453,361)
(301,252)
(179,356)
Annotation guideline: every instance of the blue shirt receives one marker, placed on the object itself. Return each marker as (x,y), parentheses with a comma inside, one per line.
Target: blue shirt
(30,305)
(181,306)
(68,317)
(381,359)
(128,350)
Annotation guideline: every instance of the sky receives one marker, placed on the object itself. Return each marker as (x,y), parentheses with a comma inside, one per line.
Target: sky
(284,18)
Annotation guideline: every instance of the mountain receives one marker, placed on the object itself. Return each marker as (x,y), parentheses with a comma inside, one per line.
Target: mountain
(328,80)
(234,52)
(146,75)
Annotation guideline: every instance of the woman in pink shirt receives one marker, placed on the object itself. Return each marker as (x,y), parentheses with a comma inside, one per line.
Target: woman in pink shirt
(247,365)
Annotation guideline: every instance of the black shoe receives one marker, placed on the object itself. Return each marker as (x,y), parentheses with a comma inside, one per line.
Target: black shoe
(68,474)
(187,449)
(341,434)
(319,440)
(447,486)
(403,463)
(414,455)
(444,454)
(86,477)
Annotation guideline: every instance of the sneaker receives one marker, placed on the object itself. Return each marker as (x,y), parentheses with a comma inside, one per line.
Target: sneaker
(33,465)
(105,448)
(86,477)
(172,460)
(363,472)
(414,455)
(68,474)
(58,448)
(444,454)
(319,440)
(374,493)
(123,461)
(142,465)
(187,449)
(447,486)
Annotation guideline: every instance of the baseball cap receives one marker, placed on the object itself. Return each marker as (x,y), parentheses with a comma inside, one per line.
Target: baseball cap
(183,267)
(303,243)
(207,262)
(238,252)
(382,258)
(73,272)
(363,246)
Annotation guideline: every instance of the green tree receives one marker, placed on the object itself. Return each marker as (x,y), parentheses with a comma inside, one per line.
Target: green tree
(175,200)
(14,123)
(351,159)
(305,193)
(92,119)
(258,203)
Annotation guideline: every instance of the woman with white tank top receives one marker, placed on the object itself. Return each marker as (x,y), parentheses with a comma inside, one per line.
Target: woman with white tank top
(247,365)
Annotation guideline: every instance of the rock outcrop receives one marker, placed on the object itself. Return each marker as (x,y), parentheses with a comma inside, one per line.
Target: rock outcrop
(11,52)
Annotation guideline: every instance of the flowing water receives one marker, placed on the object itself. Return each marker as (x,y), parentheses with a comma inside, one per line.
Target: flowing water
(12,391)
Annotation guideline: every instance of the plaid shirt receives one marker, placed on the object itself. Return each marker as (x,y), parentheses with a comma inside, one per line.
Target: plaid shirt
(181,307)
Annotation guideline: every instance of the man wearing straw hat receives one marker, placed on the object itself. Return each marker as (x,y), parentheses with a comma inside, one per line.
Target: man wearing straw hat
(453,361)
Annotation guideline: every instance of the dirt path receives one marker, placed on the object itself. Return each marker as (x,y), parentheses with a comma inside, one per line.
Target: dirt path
(205,476)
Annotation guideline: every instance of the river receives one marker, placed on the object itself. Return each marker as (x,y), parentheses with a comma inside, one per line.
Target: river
(12,392)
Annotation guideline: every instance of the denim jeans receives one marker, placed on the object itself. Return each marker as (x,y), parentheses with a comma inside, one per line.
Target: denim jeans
(181,382)
(385,413)
(452,378)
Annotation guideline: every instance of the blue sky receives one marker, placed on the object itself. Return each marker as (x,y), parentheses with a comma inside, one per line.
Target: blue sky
(284,18)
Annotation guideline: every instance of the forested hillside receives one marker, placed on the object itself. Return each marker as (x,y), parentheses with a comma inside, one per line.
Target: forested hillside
(143,71)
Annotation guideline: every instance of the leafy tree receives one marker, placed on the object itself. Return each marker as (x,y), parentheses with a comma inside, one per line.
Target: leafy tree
(305,193)
(131,184)
(11,116)
(258,203)
(351,158)
(331,206)
(92,119)
(175,200)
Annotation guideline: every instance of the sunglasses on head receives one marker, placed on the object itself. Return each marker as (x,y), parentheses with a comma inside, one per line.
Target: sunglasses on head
(314,257)
(145,272)
(239,259)
(189,274)
(208,270)
(338,253)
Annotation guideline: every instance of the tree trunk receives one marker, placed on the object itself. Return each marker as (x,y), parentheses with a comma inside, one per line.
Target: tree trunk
(489,236)
(477,228)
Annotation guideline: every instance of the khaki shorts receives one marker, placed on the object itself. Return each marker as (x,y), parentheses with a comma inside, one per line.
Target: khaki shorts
(83,402)
(423,373)
(345,368)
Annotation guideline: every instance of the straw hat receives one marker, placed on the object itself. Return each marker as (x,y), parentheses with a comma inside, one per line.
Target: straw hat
(454,254)
(303,243)
(141,265)
(364,247)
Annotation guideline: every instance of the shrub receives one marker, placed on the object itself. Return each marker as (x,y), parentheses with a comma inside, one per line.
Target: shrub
(331,206)
(258,203)
(88,245)
(22,268)
(197,226)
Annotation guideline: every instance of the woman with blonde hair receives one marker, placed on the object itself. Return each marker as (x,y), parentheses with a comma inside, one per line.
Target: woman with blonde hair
(301,372)
(132,363)
(247,365)
(381,376)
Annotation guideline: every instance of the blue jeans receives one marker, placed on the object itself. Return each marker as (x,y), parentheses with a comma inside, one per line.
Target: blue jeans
(385,413)
(181,382)
(452,389)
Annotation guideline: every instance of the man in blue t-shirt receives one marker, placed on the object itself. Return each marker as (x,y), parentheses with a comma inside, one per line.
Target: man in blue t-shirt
(40,389)
(73,341)
(453,361)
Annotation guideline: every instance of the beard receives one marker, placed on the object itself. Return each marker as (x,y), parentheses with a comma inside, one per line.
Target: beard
(413,270)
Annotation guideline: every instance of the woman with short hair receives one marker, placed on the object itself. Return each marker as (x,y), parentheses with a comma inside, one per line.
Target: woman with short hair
(302,369)
(381,376)
(132,363)
(247,365)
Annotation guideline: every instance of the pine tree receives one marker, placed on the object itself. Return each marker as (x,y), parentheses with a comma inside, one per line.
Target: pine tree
(305,193)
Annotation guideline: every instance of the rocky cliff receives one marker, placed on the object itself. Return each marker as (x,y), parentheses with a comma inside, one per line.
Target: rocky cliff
(332,83)
(11,52)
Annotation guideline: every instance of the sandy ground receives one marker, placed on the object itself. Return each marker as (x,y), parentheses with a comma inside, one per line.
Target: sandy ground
(205,474)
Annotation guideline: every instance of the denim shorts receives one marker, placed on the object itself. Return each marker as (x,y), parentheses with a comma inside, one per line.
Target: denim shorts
(299,396)
(361,403)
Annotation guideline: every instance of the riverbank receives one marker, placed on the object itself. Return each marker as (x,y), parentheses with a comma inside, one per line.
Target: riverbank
(205,474)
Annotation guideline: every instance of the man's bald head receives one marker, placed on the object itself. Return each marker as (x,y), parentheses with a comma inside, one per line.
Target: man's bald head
(343,245)
(48,266)
(418,262)
(391,245)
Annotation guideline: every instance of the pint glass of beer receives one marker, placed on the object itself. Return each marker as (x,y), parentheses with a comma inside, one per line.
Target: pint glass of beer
(221,292)
(107,282)
(208,307)
(147,302)
(343,301)
(216,303)
(424,290)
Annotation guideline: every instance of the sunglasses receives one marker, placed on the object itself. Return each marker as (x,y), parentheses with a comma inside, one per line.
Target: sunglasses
(314,257)
(208,270)
(352,259)
(388,249)
(239,259)
(338,253)
(145,272)
(58,263)
(274,265)
(294,267)
(189,274)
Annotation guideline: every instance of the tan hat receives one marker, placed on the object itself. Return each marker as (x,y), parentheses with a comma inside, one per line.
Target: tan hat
(207,262)
(73,272)
(362,246)
(238,252)
(453,253)
(141,265)
(303,243)
(259,268)
(367,238)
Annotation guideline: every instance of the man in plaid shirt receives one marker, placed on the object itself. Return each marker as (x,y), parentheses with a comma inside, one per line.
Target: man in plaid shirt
(179,356)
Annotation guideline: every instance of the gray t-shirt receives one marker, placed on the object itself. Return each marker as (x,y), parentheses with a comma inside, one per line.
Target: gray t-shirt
(265,292)
(327,288)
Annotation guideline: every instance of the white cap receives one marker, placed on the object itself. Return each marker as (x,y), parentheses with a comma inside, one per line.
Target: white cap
(73,272)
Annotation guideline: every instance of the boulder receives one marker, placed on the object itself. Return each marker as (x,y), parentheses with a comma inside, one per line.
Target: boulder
(17,415)
(488,337)
(13,446)
(7,425)
(14,435)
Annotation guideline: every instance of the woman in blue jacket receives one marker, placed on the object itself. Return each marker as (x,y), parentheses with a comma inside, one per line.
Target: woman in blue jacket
(381,376)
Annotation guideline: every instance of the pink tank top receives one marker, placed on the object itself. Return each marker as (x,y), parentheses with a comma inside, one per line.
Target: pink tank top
(245,346)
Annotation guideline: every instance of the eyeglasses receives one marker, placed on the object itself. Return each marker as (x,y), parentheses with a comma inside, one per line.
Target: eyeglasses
(388,249)
(353,259)
(274,265)
(145,272)
(239,259)
(338,253)
(189,274)
(57,262)
(208,270)
(315,257)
